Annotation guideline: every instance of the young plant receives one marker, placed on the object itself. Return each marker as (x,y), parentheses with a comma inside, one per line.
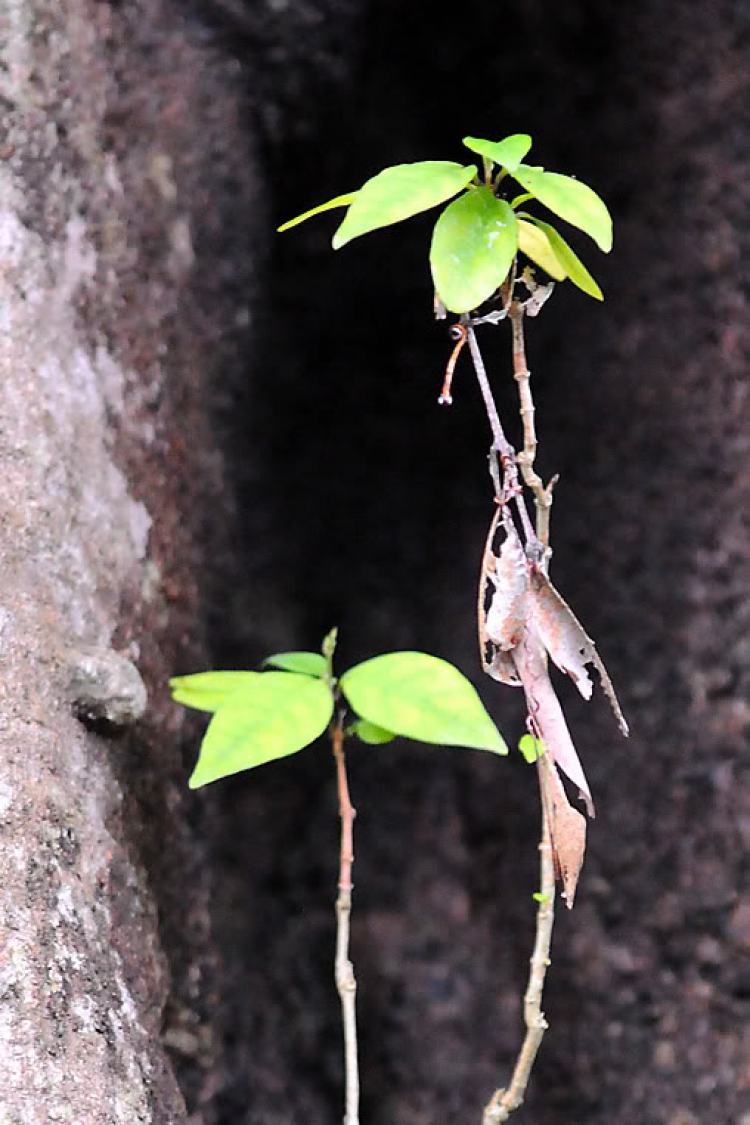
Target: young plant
(522,619)
(477,237)
(261,716)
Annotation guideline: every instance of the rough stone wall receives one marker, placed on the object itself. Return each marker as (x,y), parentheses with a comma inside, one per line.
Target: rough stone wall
(114,319)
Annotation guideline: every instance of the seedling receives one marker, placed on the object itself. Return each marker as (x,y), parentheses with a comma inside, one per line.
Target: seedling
(262,716)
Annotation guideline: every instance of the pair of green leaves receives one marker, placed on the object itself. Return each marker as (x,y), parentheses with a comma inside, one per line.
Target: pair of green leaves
(478,235)
(261,716)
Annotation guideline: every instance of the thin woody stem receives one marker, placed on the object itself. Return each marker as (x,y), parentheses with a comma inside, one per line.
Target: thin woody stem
(500,443)
(344,971)
(503,446)
(522,375)
(504,1101)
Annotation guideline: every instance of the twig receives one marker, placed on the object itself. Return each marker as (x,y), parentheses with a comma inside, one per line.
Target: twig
(522,375)
(500,443)
(504,1101)
(458,331)
(344,971)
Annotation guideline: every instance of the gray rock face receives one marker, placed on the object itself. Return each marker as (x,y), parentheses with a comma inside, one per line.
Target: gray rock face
(110,321)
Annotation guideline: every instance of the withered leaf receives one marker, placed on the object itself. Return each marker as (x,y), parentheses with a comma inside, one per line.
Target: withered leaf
(547,714)
(502,667)
(567,828)
(488,564)
(509,608)
(567,642)
(527,621)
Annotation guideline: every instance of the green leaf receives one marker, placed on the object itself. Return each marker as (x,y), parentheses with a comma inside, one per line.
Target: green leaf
(339,201)
(473,246)
(508,153)
(399,192)
(279,714)
(571,200)
(207,691)
(535,245)
(569,260)
(309,663)
(530,747)
(370,732)
(421,697)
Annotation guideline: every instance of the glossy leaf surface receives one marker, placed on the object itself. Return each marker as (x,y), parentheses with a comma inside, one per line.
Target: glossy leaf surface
(281,713)
(422,697)
(399,192)
(473,246)
(571,200)
(508,153)
(207,691)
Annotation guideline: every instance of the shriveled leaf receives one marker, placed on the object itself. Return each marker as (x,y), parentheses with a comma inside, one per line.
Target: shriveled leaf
(422,697)
(561,633)
(500,665)
(508,153)
(207,691)
(530,747)
(339,201)
(509,608)
(370,732)
(399,192)
(473,247)
(502,668)
(572,264)
(533,242)
(567,829)
(310,663)
(571,200)
(567,642)
(549,720)
(279,714)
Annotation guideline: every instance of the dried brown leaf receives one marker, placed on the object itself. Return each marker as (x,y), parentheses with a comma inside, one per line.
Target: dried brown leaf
(567,829)
(567,642)
(503,668)
(547,714)
(509,608)
(488,564)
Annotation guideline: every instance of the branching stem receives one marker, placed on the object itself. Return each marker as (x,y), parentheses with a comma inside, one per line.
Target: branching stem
(504,1101)
(344,970)
(522,375)
(500,443)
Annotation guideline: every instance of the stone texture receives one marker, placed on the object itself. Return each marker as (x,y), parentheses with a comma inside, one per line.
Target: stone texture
(106,345)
